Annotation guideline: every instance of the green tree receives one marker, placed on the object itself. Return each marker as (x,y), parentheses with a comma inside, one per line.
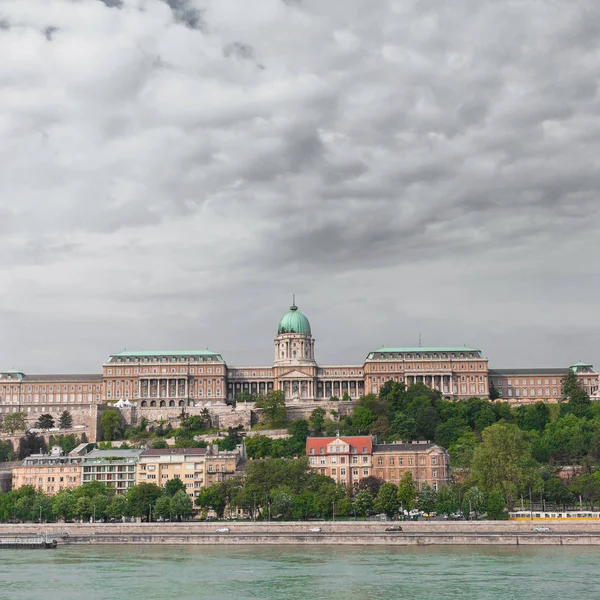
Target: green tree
(117,508)
(31,443)
(212,498)
(427,499)
(99,507)
(371,484)
(66,420)
(83,508)
(273,408)
(573,391)
(67,442)
(259,446)
(63,505)
(111,424)
(141,497)
(450,431)
(6,451)
(362,419)
(317,420)
(162,508)
(494,393)
(566,440)
(173,486)
(495,505)
(473,501)
(282,502)
(387,500)
(588,487)
(181,505)
(556,491)
(463,450)
(42,508)
(14,422)
(447,503)
(234,438)
(407,491)
(159,444)
(363,503)
(504,459)
(45,421)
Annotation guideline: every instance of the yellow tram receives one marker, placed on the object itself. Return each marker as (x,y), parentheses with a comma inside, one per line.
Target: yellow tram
(569,515)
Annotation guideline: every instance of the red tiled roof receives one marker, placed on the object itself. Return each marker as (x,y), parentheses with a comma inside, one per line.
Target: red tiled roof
(355,441)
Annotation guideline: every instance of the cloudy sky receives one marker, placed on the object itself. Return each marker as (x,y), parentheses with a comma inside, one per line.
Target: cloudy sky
(172,171)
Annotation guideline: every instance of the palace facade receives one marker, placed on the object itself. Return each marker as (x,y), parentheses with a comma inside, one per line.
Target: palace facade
(172,379)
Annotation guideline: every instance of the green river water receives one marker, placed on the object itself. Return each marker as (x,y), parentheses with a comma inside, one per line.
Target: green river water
(271,573)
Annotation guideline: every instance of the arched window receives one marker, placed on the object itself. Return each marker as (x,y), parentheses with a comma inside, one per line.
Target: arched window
(144,403)
(162,403)
(153,403)
(172,403)
(181,403)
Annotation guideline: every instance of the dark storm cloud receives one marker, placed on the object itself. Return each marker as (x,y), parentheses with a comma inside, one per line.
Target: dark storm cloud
(401,166)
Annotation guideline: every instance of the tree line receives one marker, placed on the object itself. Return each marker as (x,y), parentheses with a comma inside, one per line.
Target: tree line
(96,501)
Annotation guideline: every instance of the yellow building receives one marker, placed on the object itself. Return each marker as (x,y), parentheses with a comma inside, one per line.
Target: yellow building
(195,467)
(49,473)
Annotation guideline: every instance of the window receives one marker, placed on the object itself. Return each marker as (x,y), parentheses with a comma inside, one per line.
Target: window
(380,462)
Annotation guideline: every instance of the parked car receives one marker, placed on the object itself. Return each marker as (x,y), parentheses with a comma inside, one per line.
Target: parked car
(394,528)
(315,530)
(542,529)
(223,530)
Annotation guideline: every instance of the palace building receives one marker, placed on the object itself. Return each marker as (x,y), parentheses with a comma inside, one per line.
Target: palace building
(173,379)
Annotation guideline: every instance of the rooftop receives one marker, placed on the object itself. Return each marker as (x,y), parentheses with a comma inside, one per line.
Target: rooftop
(513,372)
(117,453)
(179,353)
(424,350)
(51,377)
(171,451)
(405,446)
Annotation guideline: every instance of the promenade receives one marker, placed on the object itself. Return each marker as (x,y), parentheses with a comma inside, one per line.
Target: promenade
(338,533)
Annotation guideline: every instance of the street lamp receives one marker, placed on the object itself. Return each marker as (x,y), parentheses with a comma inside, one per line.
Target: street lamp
(150,514)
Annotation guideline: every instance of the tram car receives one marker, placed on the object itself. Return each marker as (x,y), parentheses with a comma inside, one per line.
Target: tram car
(568,515)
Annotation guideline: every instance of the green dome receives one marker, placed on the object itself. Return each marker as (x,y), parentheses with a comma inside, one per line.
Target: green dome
(294,322)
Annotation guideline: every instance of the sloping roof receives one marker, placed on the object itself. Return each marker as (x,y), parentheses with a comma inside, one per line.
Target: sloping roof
(513,372)
(355,441)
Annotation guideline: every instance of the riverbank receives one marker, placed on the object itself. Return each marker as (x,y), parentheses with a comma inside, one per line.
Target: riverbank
(560,533)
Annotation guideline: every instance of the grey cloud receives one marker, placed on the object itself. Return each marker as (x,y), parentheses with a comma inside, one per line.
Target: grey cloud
(49,32)
(112,3)
(186,13)
(398,163)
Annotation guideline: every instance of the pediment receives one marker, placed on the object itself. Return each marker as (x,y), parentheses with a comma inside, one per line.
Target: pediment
(295,375)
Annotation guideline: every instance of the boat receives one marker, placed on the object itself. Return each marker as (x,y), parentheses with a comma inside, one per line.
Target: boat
(28,543)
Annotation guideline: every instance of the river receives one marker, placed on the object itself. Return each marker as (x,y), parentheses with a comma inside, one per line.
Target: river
(273,573)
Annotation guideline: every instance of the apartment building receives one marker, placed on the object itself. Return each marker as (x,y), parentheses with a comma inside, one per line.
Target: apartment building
(116,468)
(195,467)
(348,459)
(49,473)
